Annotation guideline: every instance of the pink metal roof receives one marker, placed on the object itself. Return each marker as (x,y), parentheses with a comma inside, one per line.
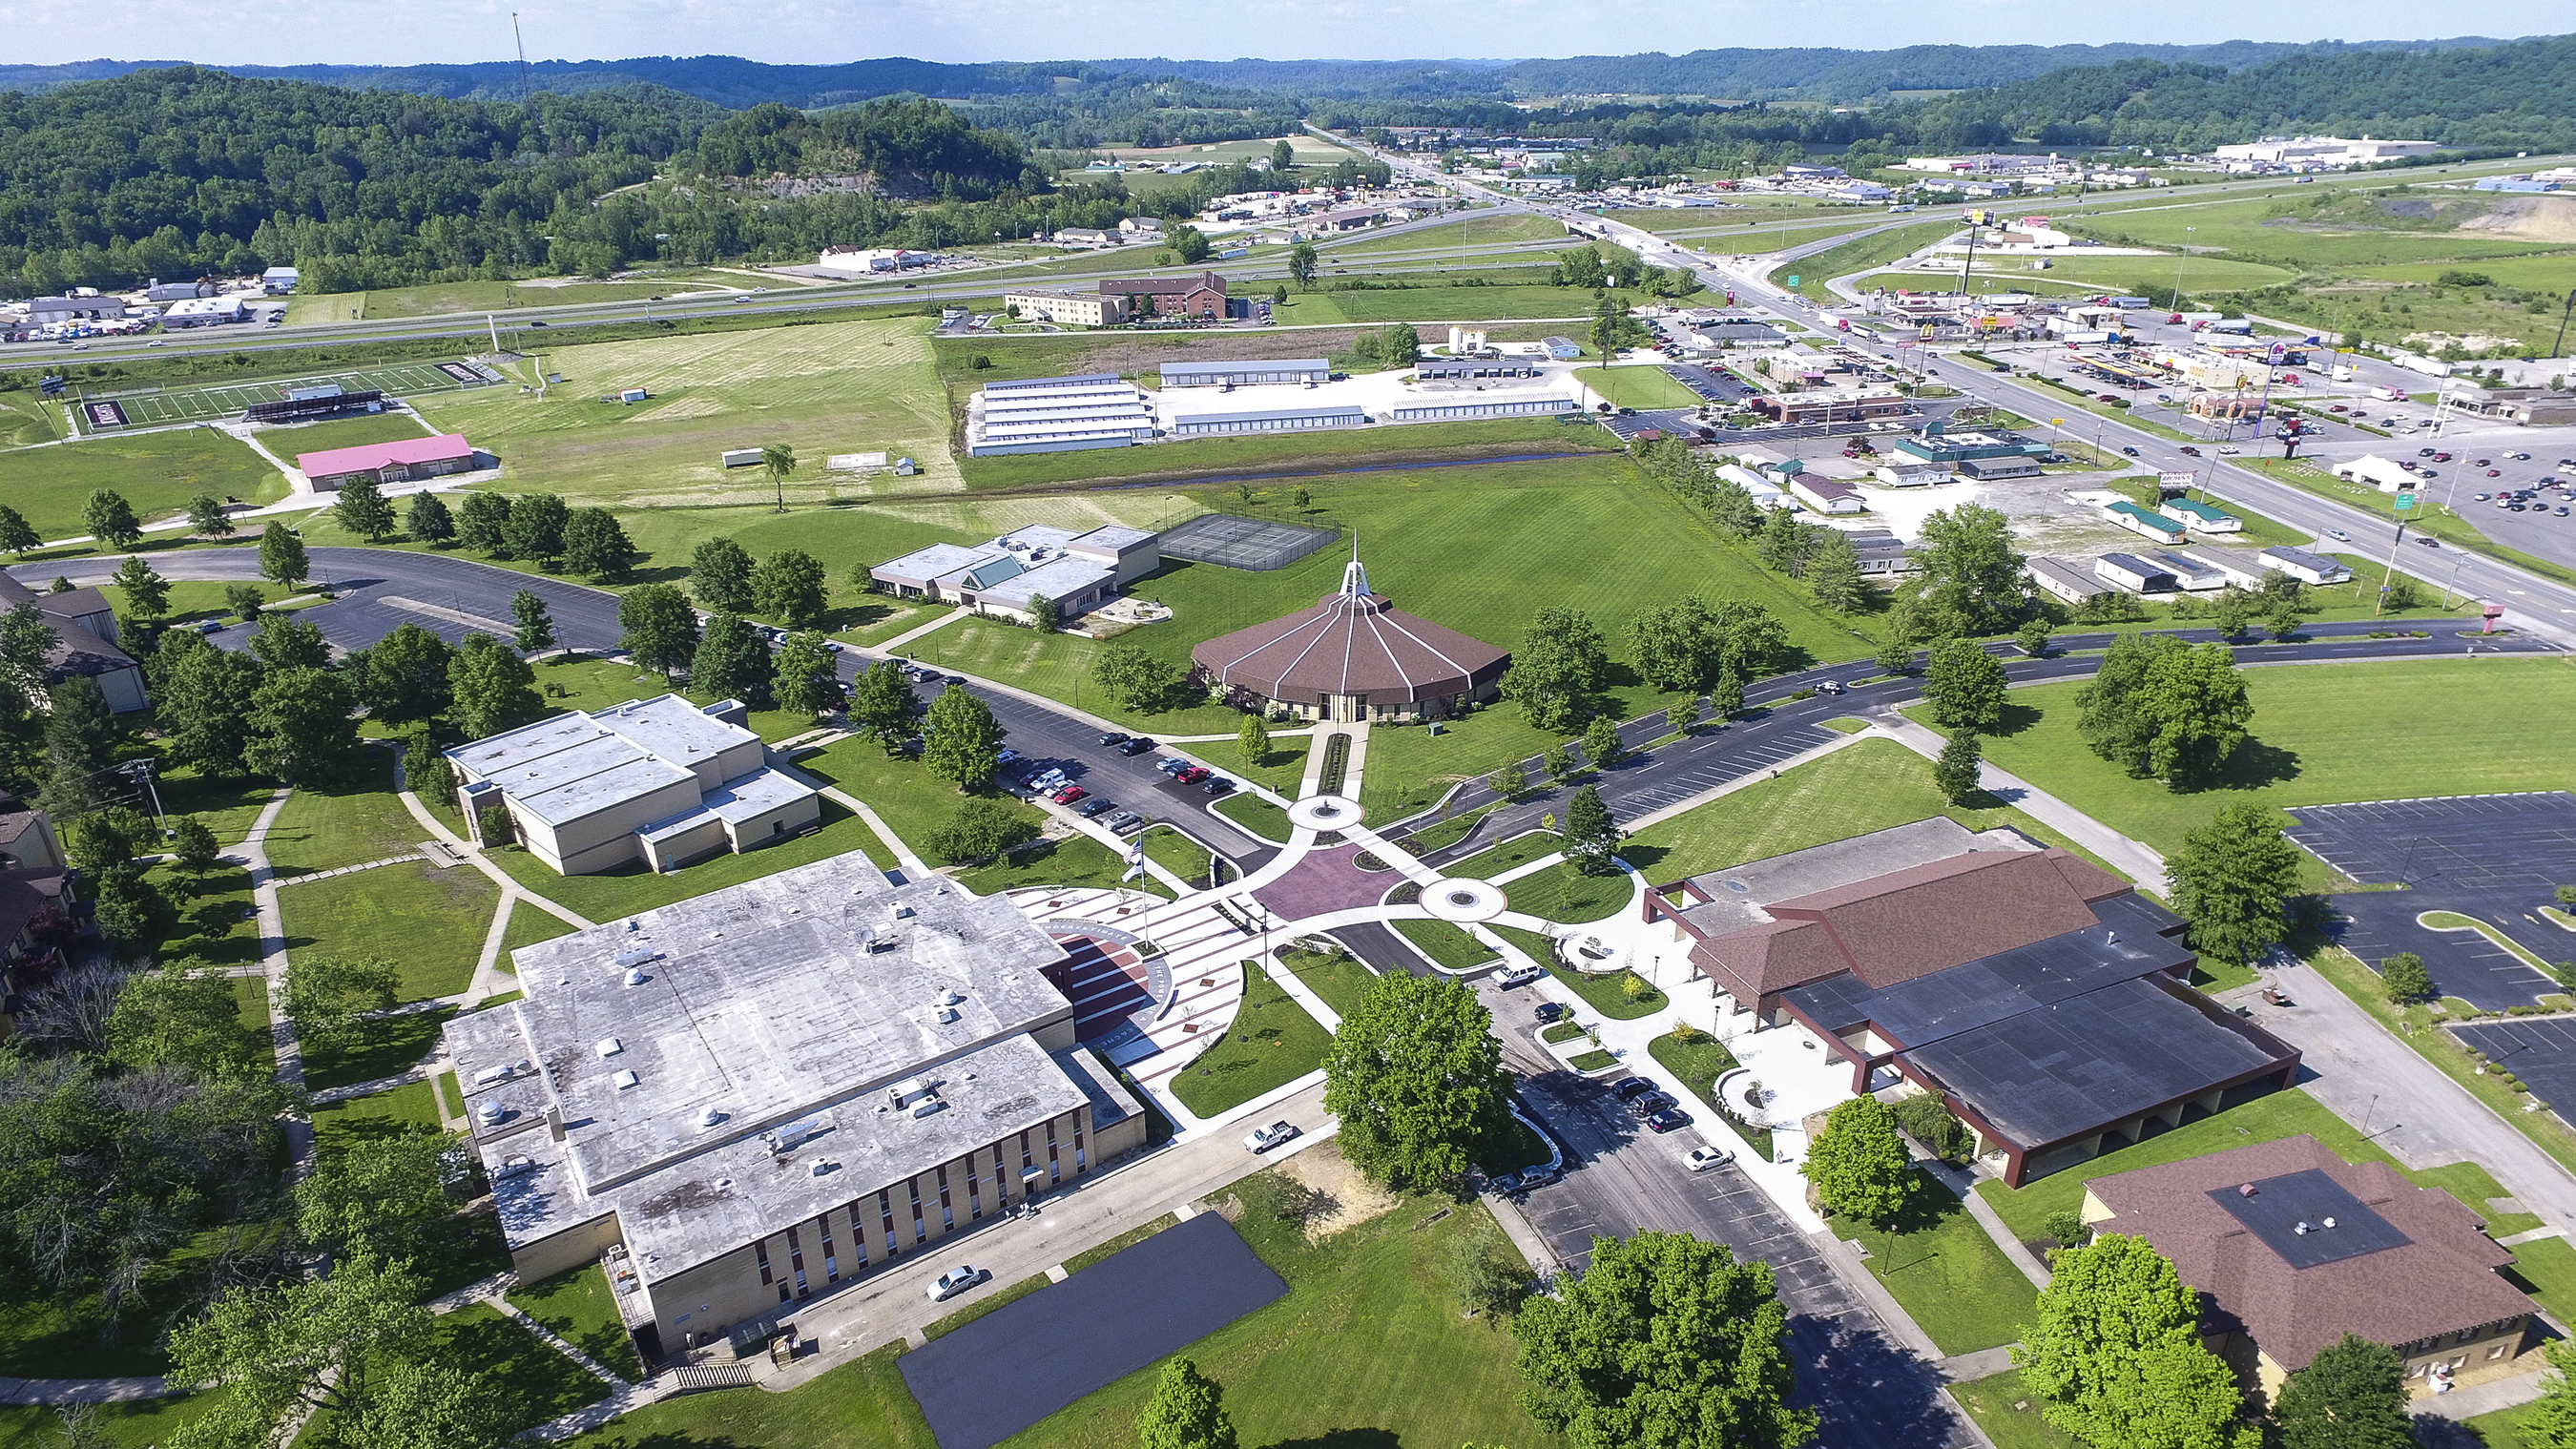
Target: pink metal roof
(332,462)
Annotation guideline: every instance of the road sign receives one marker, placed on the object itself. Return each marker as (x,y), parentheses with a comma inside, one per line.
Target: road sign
(2057,422)
(2405,502)
(1793,281)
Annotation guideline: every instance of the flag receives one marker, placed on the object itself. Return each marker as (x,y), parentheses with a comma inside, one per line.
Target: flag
(1135,859)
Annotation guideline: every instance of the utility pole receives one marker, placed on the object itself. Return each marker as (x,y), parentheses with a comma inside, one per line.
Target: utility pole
(523,56)
(2556,349)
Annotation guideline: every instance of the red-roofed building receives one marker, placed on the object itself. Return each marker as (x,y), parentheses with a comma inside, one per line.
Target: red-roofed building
(2291,1248)
(405,460)
(1351,658)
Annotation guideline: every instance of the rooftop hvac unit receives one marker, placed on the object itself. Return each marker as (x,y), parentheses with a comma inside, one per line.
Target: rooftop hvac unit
(946,1015)
(899,910)
(928,1106)
(636,956)
(626,1079)
(489,1075)
(711,1116)
(950,997)
(635,976)
(819,1166)
(513,1166)
(795,1132)
(490,1114)
(608,1046)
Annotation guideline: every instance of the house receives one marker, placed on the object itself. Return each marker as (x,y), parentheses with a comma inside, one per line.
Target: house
(1088,236)
(2134,574)
(1141,228)
(2385,474)
(1996,470)
(1066,308)
(2041,998)
(2235,566)
(405,460)
(278,281)
(1057,415)
(660,781)
(754,1098)
(2143,521)
(2201,517)
(2306,567)
(1825,495)
(1881,553)
(35,925)
(2290,1248)
(1561,349)
(1764,491)
(27,839)
(2189,574)
(1075,571)
(2064,580)
(87,643)
(1201,296)
(1913,475)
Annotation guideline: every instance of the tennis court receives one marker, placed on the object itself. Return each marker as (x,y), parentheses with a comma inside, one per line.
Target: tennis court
(1258,544)
(160,407)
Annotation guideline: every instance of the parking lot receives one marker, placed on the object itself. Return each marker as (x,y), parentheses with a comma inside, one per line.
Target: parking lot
(2493,858)
(2540,1053)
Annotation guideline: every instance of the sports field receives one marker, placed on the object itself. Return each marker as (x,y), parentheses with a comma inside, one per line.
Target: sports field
(160,407)
(833,387)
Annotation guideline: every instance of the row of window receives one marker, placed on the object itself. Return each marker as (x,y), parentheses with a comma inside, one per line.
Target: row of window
(1483,410)
(793,1282)
(1264,425)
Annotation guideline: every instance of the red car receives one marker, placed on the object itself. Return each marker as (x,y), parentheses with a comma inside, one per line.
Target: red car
(1069,794)
(1192,775)
(2339,408)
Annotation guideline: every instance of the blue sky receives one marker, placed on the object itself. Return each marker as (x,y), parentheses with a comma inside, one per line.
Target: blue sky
(286,32)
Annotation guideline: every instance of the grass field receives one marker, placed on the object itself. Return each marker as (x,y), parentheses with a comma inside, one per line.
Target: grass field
(528,1381)
(579,1307)
(1858,254)
(1447,945)
(1638,387)
(1437,303)
(428,922)
(1272,1042)
(1473,230)
(1949,1276)
(632,888)
(156,472)
(2319,736)
(832,387)
(339,433)
(1341,980)
(2199,273)
(1308,457)
(26,418)
(224,400)
(1996,1403)
(2342,234)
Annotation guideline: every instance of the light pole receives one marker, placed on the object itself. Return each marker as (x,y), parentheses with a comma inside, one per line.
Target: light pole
(2179,258)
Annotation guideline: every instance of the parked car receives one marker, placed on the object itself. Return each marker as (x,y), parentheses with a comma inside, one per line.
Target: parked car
(1136,746)
(1265,1138)
(1701,1159)
(1094,806)
(1629,1089)
(1551,1011)
(1519,975)
(1007,755)
(1667,1120)
(955,1281)
(1643,1107)
(1171,767)
(1113,738)
(1123,821)
(1069,794)
(1219,785)
(1192,774)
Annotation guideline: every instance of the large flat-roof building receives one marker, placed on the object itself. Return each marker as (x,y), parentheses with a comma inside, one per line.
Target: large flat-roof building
(660,780)
(1352,657)
(2038,995)
(1201,296)
(1252,372)
(1939,442)
(1077,571)
(1066,308)
(755,1096)
(2291,1248)
(1057,415)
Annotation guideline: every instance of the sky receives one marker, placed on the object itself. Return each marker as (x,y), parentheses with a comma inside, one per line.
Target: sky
(413,32)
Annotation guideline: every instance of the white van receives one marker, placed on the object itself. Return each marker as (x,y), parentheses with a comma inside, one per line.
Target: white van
(1519,975)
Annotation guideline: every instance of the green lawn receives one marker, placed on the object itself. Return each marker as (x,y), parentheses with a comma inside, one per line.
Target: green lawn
(409,1108)
(1257,815)
(117,1426)
(1857,789)
(435,298)
(1448,945)
(430,923)
(2545,1268)
(530,924)
(1272,1042)
(1857,255)
(27,418)
(1366,1351)
(2321,735)
(1608,995)
(338,433)
(1074,860)
(1565,894)
(324,827)
(1178,854)
(1340,979)
(1442,303)
(581,1309)
(1996,1404)
(529,1381)
(1638,387)
(156,472)
(1473,230)
(377,1048)
(2265,1119)
(1511,854)
(1946,1273)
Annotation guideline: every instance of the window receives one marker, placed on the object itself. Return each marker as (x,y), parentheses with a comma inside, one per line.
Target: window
(2501,1347)
(762,1249)
(783,1295)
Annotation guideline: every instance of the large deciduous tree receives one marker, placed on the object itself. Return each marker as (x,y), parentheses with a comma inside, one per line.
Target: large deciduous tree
(2352,1395)
(790,586)
(732,661)
(2115,1357)
(2160,708)
(1415,1076)
(881,702)
(659,628)
(2231,880)
(961,742)
(1833,574)
(402,676)
(982,829)
(490,688)
(536,627)
(300,726)
(1557,670)
(180,1014)
(1133,678)
(1591,838)
(282,641)
(1666,1340)
(428,520)
(1966,564)
(1186,1412)
(720,575)
(363,509)
(203,705)
(1858,1165)
(1964,685)
(536,527)
(595,543)
(147,594)
(281,556)
(483,523)
(329,996)
(808,683)
(111,519)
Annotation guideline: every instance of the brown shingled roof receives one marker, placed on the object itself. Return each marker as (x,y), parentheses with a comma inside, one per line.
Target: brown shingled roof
(1350,644)
(2441,1280)
(1928,918)
(1759,960)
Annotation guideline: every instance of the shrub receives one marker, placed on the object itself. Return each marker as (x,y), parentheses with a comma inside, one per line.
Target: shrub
(1927,1121)
(2404,978)
(2066,1225)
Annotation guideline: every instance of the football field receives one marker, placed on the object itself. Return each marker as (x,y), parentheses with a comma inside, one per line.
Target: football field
(160,407)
